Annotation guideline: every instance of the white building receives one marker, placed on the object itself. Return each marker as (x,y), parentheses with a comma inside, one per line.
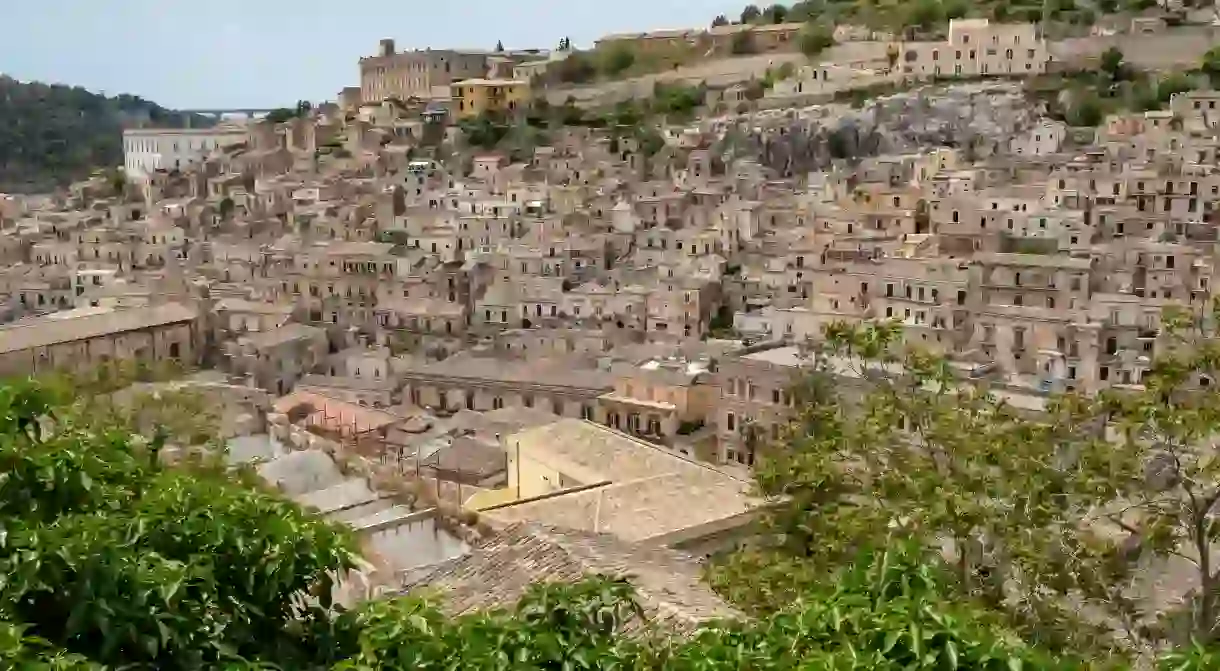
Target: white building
(146,150)
(1045,138)
(977,47)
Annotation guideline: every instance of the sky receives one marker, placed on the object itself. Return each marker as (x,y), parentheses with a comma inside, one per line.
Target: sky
(209,54)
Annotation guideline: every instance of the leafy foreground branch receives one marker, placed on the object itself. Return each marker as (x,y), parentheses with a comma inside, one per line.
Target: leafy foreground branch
(1087,527)
(106,553)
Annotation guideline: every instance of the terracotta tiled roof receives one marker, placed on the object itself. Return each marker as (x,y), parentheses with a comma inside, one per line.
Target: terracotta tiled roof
(498,572)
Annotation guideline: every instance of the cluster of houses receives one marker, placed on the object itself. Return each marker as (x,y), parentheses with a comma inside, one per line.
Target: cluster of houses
(599,339)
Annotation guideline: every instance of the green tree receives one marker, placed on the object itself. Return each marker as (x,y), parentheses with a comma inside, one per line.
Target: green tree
(577,68)
(1113,65)
(956,9)
(677,100)
(886,607)
(720,20)
(617,60)
(1043,519)
(805,10)
(959,466)
(1085,110)
(1168,428)
(486,130)
(1172,84)
(111,555)
(1211,66)
(742,44)
(750,14)
(776,14)
(924,14)
(280,115)
(814,39)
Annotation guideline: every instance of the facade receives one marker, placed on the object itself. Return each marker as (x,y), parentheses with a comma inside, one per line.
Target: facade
(483,384)
(977,47)
(80,339)
(419,73)
(278,358)
(659,400)
(476,97)
(147,150)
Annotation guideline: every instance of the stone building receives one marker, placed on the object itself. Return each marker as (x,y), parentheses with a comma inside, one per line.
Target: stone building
(80,339)
(420,73)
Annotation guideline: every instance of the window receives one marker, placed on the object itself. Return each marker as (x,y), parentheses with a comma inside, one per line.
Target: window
(731,422)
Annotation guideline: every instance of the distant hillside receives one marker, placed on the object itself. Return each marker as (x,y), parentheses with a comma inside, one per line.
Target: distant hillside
(53,134)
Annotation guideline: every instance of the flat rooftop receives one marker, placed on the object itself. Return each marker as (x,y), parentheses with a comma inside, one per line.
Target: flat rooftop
(632,490)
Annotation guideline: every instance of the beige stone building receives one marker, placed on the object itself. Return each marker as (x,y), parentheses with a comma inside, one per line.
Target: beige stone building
(660,399)
(277,359)
(423,73)
(78,340)
(977,47)
(564,387)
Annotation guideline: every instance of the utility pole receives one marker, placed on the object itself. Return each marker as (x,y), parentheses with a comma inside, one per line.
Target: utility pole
(517,444)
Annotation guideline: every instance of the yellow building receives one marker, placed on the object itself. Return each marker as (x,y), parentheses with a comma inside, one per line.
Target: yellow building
(575,474)
(479,96)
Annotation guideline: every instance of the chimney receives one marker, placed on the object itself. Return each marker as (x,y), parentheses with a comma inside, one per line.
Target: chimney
(387,48)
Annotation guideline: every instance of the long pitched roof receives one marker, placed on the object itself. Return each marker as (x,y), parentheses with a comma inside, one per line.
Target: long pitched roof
(498,573)
(56,329)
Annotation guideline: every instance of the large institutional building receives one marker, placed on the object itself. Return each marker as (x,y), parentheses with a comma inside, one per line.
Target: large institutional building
(977,47)
(147,150)
(401,75)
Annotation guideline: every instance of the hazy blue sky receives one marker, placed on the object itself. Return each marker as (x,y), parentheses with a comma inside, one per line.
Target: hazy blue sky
(237,53)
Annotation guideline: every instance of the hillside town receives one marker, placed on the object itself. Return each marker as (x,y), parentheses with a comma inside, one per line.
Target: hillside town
(597,330)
